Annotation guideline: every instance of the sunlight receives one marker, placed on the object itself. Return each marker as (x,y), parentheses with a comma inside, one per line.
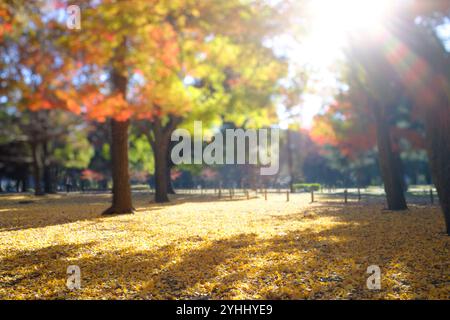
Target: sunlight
(333,20)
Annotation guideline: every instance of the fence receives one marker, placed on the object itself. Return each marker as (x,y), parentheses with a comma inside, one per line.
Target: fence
(423,196)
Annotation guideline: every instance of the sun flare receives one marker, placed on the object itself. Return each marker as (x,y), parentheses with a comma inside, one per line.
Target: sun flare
(332,21)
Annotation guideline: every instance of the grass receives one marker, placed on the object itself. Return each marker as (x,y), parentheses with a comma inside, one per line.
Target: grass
(200,247)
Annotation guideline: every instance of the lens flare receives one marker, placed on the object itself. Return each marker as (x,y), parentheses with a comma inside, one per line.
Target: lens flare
(332,21)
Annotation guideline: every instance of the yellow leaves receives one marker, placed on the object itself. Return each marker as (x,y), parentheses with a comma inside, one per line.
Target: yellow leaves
(190,249)
(195,12)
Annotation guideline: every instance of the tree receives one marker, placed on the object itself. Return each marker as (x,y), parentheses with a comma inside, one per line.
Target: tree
(380,90)
(426,79)
(30,82)
(130,43)
(205,71)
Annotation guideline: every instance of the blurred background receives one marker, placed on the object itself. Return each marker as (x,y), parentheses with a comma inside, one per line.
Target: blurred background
(350,83)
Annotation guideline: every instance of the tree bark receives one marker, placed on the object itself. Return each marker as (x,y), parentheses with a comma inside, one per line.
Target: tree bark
(161,173)
(170,189)
(388,162)
(121,203)
(36,169)
(48,176)
(437,126)
(160,142)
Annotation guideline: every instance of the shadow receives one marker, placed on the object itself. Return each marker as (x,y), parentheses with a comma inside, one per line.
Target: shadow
(21,212)
(22,267)
(18,212)
(162,273)
(307,264)
(324,258)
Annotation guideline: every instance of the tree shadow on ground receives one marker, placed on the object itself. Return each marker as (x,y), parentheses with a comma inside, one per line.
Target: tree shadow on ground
(313,264)
(19,212)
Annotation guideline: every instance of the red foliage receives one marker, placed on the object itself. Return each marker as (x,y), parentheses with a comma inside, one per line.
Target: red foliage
(91,175)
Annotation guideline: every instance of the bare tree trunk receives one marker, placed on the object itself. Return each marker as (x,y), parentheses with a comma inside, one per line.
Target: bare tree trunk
(437,126)
(388,163)
(36,169)
(161,170)
(160,142)
(121,203)
(170,189)
(49,181)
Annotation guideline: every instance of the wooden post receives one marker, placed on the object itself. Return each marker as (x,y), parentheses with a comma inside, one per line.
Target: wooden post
(265,194)
(220,192)
(247,194)
(287,195)
(359,194)
(431,196)
(312,195)
(231,194)
(345,196)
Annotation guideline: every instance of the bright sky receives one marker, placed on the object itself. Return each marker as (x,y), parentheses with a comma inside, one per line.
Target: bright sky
(321,50)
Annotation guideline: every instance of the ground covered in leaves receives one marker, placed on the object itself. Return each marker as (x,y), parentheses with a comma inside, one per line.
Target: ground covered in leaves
(200,247)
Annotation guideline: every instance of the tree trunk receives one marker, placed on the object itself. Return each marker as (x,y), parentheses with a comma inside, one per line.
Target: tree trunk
(25,182)
(437,126)
(162,172)
(290,161)
(170,189)
(121,203)
(36,169)
(160,142)
(49,186)
(388,162)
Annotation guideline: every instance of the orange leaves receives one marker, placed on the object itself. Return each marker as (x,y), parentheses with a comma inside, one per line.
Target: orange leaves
(165,39)
(322,133)
(40,105)
(72,106)
(5,28)
(40,100)
(100,107)
(96,106)
(70,102)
